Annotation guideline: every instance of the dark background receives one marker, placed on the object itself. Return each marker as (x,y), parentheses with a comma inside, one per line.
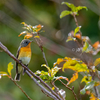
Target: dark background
(46,13)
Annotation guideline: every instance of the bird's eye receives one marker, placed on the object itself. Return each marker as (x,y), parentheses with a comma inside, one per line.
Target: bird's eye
(26,42)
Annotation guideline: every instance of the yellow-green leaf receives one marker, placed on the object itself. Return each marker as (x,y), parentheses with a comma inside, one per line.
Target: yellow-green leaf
(70,5)
(10,67)
(37,36)
(75,76)
(97,61)
(93,97)
(76,30)
(64,13)
(86,79)
(81,7)
(77,67)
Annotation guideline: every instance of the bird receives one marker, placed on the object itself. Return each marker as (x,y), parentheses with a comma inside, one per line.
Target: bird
(23,55)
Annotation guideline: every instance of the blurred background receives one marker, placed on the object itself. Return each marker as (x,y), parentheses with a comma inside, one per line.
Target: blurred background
(46,13)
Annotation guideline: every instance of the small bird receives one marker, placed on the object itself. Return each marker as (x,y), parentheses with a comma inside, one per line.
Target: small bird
(24,55)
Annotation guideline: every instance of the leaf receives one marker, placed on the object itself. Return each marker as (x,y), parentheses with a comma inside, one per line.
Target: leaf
(76,30)
(96,44)
(64,13)
(76,66)
(97,83)
(48,68)
(28,35)
(3,74)
(97,61)
(53,88)
(61,77)
(93,97)
(81,7)
(75,76)
(87,47)
(73,8)
(54,71)
(24,32)
(88,86)
(10,67)
(37,36)
(86,79)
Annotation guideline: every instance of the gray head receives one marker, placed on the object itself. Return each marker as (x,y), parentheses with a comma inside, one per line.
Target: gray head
(25,42)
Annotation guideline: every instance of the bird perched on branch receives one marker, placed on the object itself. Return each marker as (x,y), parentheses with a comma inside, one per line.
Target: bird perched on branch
(24,55)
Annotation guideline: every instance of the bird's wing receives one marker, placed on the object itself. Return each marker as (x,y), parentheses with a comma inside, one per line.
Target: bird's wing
(17,57)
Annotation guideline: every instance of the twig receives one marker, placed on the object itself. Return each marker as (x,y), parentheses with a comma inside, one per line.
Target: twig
(20,88)
(77,23)
(39,42)
(72,89)
(12,56)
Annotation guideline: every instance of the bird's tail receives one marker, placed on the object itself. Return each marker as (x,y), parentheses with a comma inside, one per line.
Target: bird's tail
(17,77)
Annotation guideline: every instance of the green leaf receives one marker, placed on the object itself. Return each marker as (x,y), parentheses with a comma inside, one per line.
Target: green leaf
(83,91)
(97,61)
(54,71)
(81,7)
(10,67)
(76,30)
(64,13)
(73,8)
(3,74)
(87,47)
(88,86)
(46,67)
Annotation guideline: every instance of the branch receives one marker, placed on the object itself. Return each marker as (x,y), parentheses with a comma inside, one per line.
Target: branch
(20,88)
(29,71)
(71,89)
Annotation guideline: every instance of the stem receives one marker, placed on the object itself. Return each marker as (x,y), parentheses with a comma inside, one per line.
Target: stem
(71,89)
(77,23)
(39,42)
(20,88)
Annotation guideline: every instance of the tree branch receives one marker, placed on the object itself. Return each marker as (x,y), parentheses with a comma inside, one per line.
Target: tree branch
(29,71)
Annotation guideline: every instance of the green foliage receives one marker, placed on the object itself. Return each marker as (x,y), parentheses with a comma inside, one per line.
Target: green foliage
(76,30)
(74,9)
(10,67)
(48,76)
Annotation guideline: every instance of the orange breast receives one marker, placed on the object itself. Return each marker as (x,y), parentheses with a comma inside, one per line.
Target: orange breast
(25,51)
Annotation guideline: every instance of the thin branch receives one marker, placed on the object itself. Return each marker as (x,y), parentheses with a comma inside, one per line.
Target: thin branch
(71,89)
(20,88)
(77,23)
(39,42)
(32,74)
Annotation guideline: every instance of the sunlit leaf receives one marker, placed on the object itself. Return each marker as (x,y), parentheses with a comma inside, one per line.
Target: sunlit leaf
(75,66)
(54,70)
(76,30)
(97,61)
(86,79)
(64,13)
(10,67)
(38,27)
(37,36)
(93,97)
(70,39)
(24,23)
(83,91)
(81,7)
(53,88)
(97,83)
(87,47)
(70,5)
(28,35)
(48,68)
(75,76)
(96,44)
(3,74)
(61,77)
(24,32)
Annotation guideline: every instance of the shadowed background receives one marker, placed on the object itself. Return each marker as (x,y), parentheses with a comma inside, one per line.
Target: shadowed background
(46,13)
